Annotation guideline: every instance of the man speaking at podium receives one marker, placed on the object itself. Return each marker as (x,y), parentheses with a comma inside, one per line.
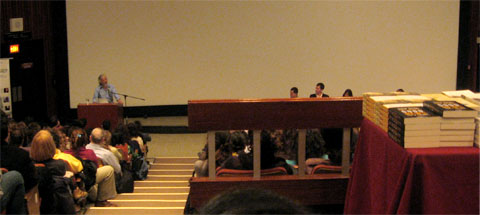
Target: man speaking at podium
(105,92)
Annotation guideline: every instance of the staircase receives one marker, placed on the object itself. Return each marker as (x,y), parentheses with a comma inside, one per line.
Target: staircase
(164,191)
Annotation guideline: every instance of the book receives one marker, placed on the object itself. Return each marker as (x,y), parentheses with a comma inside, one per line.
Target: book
(459,132)
(450,109)
(456,144)
(413,115)
(416,142)
(456,138)
(457,93)
(475,98)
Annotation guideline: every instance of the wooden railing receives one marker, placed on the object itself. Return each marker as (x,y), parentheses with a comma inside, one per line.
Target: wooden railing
(258,114)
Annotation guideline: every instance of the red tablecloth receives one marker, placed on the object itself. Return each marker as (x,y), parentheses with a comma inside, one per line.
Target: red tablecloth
(387,178)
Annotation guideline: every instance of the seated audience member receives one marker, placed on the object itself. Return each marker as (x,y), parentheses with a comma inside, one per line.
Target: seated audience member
(286,142)
(106,125)
(75,165)
(32,129)
(201,165)
(145,137)
(104,188)
(135,136)
(319,91)
(107,157)
(347,93)
(13,193)
(54,122)
(315,150)
(294,92)
(355,131)
(54,175)
(251,201)
(14,158)
(244,160)
(107,145)
(119,142)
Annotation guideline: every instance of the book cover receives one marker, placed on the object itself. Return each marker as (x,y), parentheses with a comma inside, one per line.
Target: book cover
(413,115)
(450,109)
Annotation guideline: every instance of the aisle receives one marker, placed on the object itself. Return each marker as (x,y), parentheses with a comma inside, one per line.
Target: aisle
(164,191)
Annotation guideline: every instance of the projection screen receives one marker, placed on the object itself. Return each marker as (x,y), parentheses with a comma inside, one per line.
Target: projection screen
(169,52)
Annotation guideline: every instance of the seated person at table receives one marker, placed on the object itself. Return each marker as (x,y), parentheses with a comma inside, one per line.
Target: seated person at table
(319,91)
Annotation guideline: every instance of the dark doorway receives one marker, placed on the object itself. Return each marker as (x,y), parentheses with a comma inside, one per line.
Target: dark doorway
(27,80)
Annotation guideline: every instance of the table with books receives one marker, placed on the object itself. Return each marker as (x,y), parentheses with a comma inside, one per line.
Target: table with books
(387,178)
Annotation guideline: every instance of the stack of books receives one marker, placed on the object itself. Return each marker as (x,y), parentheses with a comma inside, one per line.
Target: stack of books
(476,140)
(375,105)
(457,126)
(414,127)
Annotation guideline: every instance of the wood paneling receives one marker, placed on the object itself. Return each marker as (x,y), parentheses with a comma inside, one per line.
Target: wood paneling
(342,112)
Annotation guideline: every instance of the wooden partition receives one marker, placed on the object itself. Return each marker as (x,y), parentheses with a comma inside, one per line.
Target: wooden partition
(258,114)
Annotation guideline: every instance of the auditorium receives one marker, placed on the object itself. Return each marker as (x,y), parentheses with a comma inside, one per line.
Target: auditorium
(112,107)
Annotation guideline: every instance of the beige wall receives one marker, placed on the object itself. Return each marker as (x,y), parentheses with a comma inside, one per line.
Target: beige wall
(171,51)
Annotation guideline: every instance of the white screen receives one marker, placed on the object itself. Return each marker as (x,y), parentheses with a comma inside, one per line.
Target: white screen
(169,52)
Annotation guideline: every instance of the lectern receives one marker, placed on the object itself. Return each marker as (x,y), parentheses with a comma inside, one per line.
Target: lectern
(97,113)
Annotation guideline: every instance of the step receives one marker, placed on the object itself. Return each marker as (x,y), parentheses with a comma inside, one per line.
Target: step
(187,160)
(170,172)
(161,189)
(169,177)
(172,166)
(135,210)
(149,203)
(152,196)
(183,183)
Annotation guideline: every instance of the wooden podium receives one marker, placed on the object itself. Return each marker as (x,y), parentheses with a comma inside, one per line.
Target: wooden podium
(96,113)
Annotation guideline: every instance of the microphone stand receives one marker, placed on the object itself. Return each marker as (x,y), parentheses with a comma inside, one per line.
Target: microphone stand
(125,96)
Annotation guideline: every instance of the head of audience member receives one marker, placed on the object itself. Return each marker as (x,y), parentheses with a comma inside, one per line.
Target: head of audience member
(132,130)
(347,93)
(4,131)
(315,145)
(400,90)
(59,139)
(103,80)
(107,135)
(293,92)
(53,121)
(106,125)
(319,89)
(117,139)
(237,141)
(251,201)
(17,138)
(43,147)
(79,138)
(97,136)
(33,128)
(221,137)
